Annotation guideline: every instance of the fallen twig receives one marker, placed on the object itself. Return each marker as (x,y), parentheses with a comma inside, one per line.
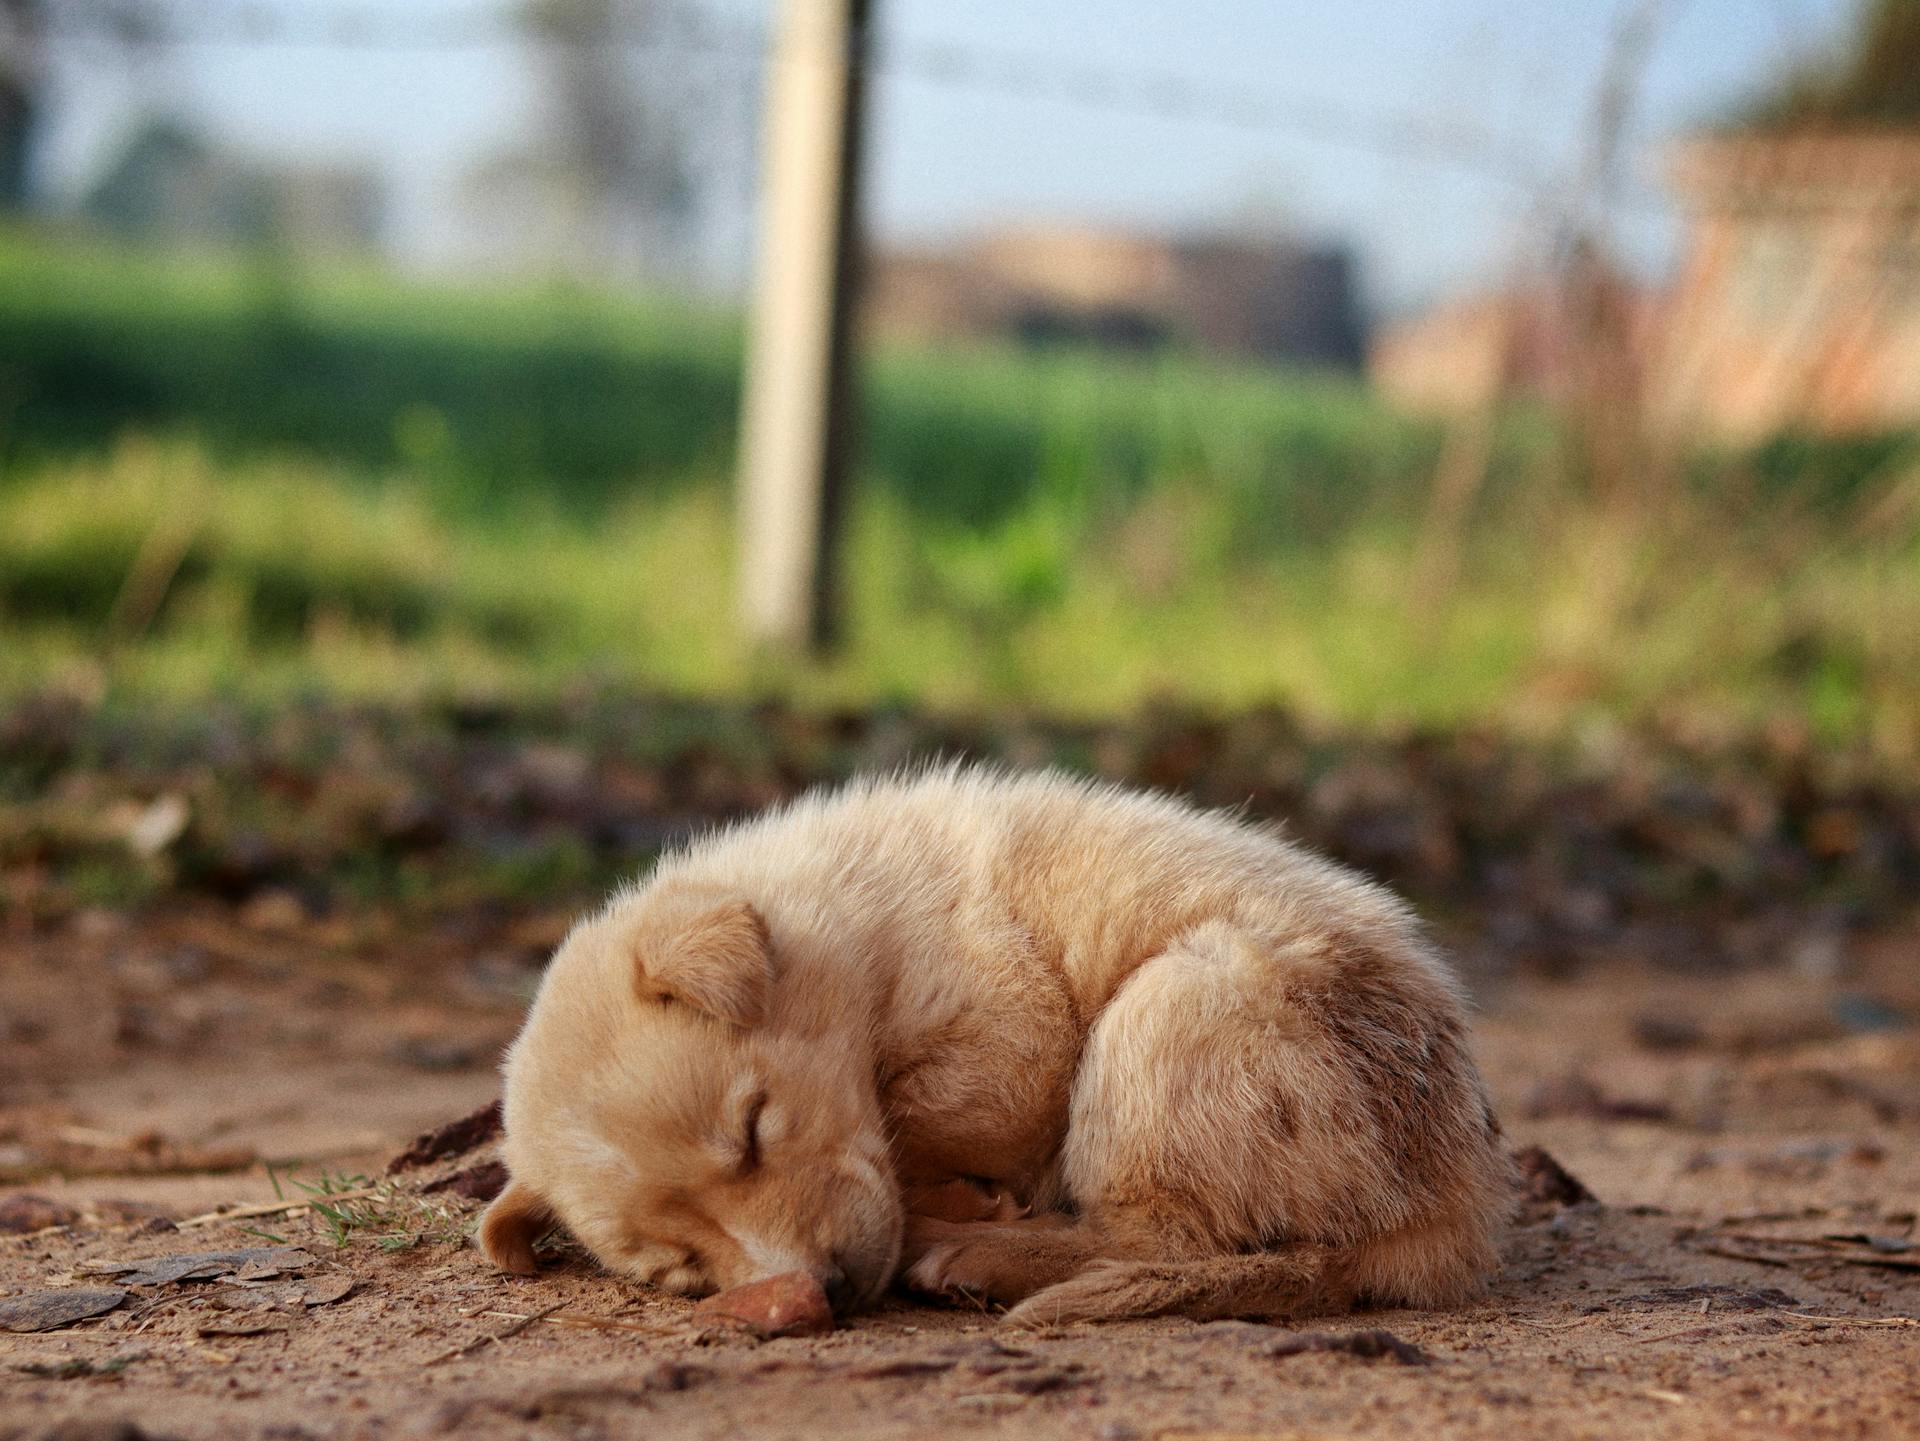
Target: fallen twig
(277,1208)
(1560,1325)
(44,1231)
(1748,1256)
(1850,1246)
(1854,1320)
(482,1341)
(595,1323)
(1681,1334)
(1828,1251)
(1884,1263)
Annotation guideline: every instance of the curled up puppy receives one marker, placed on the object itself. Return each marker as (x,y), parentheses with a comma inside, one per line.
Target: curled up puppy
(1084,1052)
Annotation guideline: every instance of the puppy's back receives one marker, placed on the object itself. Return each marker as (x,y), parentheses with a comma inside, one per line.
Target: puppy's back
(1099,877)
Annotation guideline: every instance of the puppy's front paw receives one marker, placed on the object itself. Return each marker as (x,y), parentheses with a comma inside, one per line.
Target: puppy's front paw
(966,1271)
(924,1234)
(930,1259)
(1003,1263)
(929,1271)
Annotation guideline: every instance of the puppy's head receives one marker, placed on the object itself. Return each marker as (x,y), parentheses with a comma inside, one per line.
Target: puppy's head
(660,1106)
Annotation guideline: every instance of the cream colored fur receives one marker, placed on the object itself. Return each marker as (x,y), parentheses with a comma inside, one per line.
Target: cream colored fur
(1083,1051)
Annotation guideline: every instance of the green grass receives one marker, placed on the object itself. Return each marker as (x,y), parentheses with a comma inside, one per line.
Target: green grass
(293,578)
(215,480)
(474,392)
(353,1208)
(586,401)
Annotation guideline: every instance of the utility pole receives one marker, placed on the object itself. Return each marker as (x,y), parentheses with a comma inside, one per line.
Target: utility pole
(796,415)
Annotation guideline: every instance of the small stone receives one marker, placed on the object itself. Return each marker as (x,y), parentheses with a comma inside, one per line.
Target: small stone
(239,1328)
(99,1428)
(673,1376)
(274,910)
(23,1213)
(1368,1345)
(153,828)
(1545,1182)
(1858,1013)
(1667,1034)
(789,1305)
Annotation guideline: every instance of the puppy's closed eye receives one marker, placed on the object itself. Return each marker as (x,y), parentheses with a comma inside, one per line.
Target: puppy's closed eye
(750,1155)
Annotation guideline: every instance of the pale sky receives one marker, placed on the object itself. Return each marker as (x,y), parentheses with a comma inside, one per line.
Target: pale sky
(953,153)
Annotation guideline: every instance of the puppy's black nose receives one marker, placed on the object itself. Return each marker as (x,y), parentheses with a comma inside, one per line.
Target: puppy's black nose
(838,1288)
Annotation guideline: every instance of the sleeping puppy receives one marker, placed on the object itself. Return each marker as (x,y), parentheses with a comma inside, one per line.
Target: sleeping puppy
(1084,1052)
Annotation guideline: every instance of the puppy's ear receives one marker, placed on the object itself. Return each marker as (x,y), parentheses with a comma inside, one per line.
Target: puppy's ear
(719,962)
(515,1220)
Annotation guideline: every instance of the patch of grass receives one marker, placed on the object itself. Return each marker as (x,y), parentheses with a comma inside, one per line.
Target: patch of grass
(115,881)
(478,390)
(355,1209)
(585,401)
(301,580)
(217,479)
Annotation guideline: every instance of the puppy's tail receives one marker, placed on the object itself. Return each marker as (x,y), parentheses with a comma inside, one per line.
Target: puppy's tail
(1429,1265)
(1293,1280)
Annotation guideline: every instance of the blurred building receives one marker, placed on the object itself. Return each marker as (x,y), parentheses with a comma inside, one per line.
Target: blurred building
(1798,305)
(1535,340)
(1274,300)
(171,185)
(1464,353)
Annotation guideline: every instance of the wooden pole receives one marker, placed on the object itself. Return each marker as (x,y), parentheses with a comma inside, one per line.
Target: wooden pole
(796,415)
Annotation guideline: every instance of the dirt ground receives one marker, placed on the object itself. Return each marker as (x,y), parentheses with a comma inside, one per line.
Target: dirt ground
(1750,1268)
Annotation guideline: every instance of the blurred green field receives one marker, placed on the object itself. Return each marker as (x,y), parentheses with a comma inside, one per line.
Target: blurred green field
(555,397)
(222,477)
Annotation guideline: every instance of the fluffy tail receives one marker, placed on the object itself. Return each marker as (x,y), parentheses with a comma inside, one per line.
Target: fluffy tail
(1429,1265)
(1294,1280)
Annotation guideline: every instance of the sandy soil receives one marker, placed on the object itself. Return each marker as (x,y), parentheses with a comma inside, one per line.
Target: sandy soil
(1739,1130)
